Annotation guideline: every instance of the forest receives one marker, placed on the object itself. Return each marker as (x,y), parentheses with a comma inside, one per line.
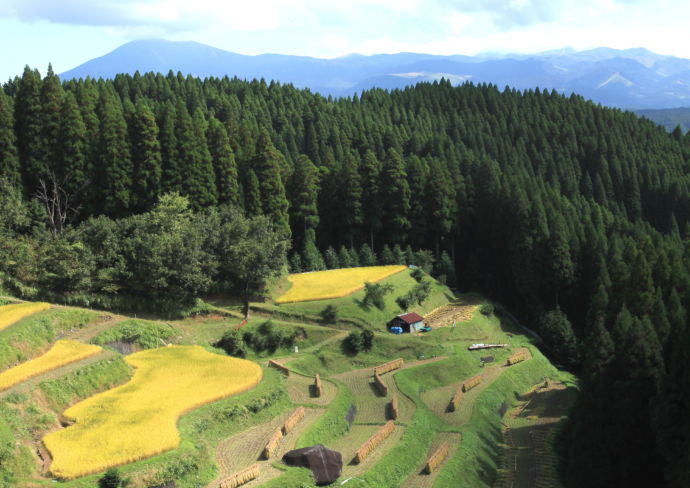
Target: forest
(576,217)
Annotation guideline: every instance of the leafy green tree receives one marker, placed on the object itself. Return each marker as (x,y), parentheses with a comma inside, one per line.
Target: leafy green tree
(250,250)
(374,294)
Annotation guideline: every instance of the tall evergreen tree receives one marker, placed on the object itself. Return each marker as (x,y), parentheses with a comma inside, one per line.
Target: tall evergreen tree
(146,158)
(27,119)
(9,161)
(304,188)
(51,102)
(72,146)
(114,176)
(267,164)
(223,162)
(395,194)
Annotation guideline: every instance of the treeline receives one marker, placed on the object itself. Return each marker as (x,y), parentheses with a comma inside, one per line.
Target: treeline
(157,260)
(573,215)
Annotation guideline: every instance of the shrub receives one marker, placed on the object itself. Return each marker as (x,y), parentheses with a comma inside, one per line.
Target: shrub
(417,274)
(403,301)
(374,293)
(329,314)
(112,479)
(487,309)
(367,340)
(353,342)
(232,343)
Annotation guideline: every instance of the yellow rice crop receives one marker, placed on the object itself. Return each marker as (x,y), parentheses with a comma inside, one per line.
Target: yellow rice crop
(9,314)
(63,352)
(334,283)
(138,419)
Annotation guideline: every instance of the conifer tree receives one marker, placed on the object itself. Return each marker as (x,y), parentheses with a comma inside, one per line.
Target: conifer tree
(304,187)
(371,201)
(366,256)
(9,161)
(27,119)
(267,164)
(114,176)
(200,183)
(395,194)
(171,177)
(72,146)
(223,162)
(146,157)
(252,194)
(51,102)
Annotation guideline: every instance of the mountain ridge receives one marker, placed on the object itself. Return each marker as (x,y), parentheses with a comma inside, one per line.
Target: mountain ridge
(633,78)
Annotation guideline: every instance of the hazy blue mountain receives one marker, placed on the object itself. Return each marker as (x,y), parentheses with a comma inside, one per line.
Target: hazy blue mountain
(669,117)
(630,78)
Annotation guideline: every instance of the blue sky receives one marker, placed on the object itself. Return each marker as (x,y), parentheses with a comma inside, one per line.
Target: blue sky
(70,32)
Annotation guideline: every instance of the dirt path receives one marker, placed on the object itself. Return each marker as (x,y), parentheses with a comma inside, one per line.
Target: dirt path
(89,331)
(244,449)
(529,459)
(419,479)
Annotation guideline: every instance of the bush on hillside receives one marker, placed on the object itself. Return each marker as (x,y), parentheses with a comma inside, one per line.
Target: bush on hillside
(375,292)
(233,343)
(329,314)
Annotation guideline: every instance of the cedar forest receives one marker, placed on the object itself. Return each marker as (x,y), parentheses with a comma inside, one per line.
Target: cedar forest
(574,216)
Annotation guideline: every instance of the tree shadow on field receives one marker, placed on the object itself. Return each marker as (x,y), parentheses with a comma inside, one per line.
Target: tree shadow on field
(375,389)
(361,304)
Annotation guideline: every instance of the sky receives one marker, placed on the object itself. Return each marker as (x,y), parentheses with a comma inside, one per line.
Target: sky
(67,33)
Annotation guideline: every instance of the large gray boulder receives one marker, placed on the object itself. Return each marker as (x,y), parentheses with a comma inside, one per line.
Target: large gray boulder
(324,463)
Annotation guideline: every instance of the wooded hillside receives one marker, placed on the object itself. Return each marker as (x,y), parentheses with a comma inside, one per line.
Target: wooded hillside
(574,216)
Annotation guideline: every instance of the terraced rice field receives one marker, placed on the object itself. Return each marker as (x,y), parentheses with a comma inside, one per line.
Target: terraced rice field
(301,390)
(419,479)
(333,283)
(244,449)
(358,435)
(371,405)
(437,399)
(9,314)
(138,419)
(63,352)
(528,459)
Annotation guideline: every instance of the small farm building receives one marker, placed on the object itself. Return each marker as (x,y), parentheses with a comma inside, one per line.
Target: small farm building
(409,322)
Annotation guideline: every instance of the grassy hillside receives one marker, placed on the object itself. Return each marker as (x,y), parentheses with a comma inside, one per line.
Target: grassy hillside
(352,309)
(436,363)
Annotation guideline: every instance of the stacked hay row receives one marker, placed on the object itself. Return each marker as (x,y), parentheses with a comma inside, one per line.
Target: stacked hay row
(436,458)
(318,389)
(373,441)
(516,358)
(455,401)
(241,477)
(394,407)
(472,382)
(380,384)
(389,366)
(292,420)
(279,367)
(272,443)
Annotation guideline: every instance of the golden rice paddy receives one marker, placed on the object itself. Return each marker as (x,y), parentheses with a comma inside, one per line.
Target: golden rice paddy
(9,314)
(334,283)
(138,419)
(63,352)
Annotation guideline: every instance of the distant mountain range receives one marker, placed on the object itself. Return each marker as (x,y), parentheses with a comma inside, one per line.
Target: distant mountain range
(630,78)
